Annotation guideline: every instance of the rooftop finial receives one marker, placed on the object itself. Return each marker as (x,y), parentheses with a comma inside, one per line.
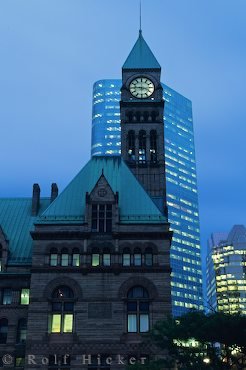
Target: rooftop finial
(140,28)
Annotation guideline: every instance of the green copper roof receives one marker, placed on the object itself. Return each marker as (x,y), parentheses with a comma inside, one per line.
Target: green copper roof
(135,204)
(17,222)
(141,57)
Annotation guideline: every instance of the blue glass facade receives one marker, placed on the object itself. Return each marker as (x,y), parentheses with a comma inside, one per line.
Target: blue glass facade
(181,179)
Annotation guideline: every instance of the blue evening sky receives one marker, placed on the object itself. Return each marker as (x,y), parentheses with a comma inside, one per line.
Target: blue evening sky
(51,52)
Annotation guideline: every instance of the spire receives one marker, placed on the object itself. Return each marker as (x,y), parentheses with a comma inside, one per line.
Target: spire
(141,56)
(140,28)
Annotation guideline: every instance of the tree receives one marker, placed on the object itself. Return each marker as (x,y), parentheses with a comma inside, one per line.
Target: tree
(199,341)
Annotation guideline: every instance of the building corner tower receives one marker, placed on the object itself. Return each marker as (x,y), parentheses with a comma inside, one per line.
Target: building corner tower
(142,125)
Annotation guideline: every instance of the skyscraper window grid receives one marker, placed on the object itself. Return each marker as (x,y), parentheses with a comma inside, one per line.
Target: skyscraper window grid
(182,197)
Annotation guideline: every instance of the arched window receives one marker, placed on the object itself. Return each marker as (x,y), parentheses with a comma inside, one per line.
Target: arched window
(148,257)
(138,310)
(142,146)
(53,257)
(131,146)
(3,331)
(64,257)
(126,257)
(61,320)
(106,257)
(95,257)
(76,257)
(21,331)
(153,146)
(137,257)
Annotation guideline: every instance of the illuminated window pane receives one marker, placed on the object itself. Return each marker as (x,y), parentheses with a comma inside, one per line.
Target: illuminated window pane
(7,296)
(132,323)
(126,259)
(137,259)
(19,362)
(53,259)
(106,259)
(95,259)
(144,323)
(68,323)
(25,296)
(76,259)
(64,259)
(56,323)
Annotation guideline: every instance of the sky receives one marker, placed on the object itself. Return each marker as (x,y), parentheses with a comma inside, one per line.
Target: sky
(51,53)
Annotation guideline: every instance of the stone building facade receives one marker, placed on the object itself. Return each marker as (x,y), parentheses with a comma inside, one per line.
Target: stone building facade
(85,273)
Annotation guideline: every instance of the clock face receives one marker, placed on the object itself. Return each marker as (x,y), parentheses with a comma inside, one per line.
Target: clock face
(142,87)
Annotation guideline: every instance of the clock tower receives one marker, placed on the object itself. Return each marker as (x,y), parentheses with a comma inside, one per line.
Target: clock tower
(142,125)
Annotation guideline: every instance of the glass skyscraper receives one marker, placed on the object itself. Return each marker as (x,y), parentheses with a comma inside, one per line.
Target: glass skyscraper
(181,184)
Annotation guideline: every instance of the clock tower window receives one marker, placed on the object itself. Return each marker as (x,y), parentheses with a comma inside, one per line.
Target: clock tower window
(131,145)
(142,147)
(153,146)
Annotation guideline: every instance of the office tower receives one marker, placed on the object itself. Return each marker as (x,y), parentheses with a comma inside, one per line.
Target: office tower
(181,181)
(226,271)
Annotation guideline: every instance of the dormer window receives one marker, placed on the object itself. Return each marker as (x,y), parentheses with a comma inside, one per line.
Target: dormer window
(101,218)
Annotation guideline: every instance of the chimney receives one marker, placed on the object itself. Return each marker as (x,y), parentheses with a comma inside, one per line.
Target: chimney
(54,192)
(35,199)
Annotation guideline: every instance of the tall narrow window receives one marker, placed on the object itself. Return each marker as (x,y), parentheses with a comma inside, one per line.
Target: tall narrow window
(137,257)
(61,320)
(95,257)
(102,218)
(64,257)
(3,331)
(21,331)
(148,257)
(142,147)
(138,310)
(131,145)
(153,146)
(1,258)
(126,257)
(76,257)
(53,257)
(106,257)
(7,296)
(25,296)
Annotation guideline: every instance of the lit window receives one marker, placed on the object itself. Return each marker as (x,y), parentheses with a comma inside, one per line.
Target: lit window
(76,258)
(20,362)
(7,296)
(95,259)
(126,259)
(61,319)
(138,310)
(106,258)
(64,257)
(142,147)
(53,257)
(25,296)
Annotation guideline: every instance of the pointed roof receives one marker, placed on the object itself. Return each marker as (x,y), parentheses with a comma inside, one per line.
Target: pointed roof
(135,204)
(141,56)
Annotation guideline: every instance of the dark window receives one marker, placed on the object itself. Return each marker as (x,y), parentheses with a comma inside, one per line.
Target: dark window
(142,147)
(137,257)
(126,257)
(1,258)
(153,146)
(148,257)
(3,331)
(64,257)
(7,296)
(138,310)
(53,257)
(62,316)
(21,331)
(102,218)
(131,146)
